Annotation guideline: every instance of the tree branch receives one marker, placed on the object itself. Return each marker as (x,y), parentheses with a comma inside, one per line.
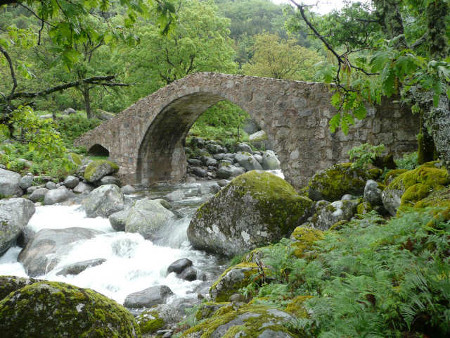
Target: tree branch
(11,70)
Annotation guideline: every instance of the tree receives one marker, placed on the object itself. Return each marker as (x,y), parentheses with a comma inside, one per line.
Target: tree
(385,57)
(281,59)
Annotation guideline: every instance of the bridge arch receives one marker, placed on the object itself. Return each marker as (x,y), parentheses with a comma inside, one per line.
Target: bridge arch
(147,139)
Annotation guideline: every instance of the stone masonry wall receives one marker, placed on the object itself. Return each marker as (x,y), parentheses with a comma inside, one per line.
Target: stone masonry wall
(147,139)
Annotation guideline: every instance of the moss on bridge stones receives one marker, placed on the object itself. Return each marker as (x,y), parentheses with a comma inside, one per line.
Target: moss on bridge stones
(53,309)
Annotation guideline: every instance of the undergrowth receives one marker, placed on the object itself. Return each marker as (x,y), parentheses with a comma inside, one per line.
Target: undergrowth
(371,278)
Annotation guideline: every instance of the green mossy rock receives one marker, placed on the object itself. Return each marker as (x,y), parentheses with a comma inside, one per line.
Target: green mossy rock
(414,185)
(149,321)
(250,320)
(331,184)
(303,239)
(10,284)
(76,159)
(53,309)
(363,208)
(98,169)
(253,210)
(440,199)
(392,174)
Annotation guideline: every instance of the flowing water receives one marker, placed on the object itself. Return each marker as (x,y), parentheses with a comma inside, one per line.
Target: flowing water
(132,263)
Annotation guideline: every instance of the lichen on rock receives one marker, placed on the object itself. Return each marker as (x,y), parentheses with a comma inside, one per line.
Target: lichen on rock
(98,169)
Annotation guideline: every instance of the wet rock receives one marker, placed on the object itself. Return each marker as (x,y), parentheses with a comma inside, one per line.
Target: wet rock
(104,201)
(9,184)
(147,217)
(71,182)
(38,195)
(79,267)
(14,216)
(149,297)
(179,265)
(270,161)
(255,209)
(118,220)
(58,195)
(52,309)
(45,250)
(189,274)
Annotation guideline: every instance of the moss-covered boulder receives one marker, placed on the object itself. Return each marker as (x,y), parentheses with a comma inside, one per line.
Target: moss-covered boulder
(52,309)
(251,321)
(233,279)
(331,184)
(98,169)
(414,185)
(303,239)
(255,209)
(440,199)
(10,284)
(149,321)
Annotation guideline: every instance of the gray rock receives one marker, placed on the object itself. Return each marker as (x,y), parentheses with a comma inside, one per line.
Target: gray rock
(175,196)
(32,189)
(25,237)
(209,188)
(79,267)
(270,161)
(250,126)
(199,172)
(214,148)
(223,182)
(14,216)
(392,198)
(83,188)
(48,246)
(244,147)
(69,111)
(59,195)
(347,197)
(197,142)
(194,162)
(128,189)
(258,157)
(149,297)
(51,185)
(179,265)
(119,219)
(104,201)
(372,193)
(71,182)
(98,169)
(26,181)
(328,213)
(189,274)
(38,195)
(247,161)
(10,184)
(210,162)
(229,171)
(147,217)
(110,180)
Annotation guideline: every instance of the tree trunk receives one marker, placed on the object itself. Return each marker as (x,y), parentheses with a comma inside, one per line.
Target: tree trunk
(438,120)
(87,100)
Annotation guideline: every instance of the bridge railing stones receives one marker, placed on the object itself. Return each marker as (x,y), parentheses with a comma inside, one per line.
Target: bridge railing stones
(147,139)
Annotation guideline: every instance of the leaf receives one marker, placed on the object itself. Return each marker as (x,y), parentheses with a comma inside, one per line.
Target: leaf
(335,121)
(388,81)
(379,61)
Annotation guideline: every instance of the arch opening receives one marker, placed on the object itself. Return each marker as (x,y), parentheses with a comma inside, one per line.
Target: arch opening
(98,150)
(161,156)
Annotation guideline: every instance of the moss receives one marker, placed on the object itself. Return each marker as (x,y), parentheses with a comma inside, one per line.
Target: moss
(375,173)
(304,239)
(149,321)
(364,208)
(392,174)
(10,284)
(251,320)
(49,309)
(339,225)
(337,181)
(440,199)
(75,158)
(295,306)
(207,309)
(93,167)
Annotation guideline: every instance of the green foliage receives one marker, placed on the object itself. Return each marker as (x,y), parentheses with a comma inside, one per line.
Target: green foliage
(363,155)
(408,161)
(73,126)
(371,278)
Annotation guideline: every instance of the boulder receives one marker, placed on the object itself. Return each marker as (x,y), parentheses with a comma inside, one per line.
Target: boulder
(331,184)
(372,193)
(260,140)
(79,267)
(14,216)
(244,147)
(98,169)
(38,195)
(51,185)
(45,250)
(189,274)
(69,111)
(227,170)
(10,284)
(214,148)
(147,217)
(71,182)
(118,220)
(327,214)
(128,189)
(10,184)
(197,171)
(247,161)
(411,186)
(53,309)
(109,180)
(179,265)
(149,297)
(270,161)
(104,201)
(57,196)
(194,162)
(26,181)
(83,188)
(255,209)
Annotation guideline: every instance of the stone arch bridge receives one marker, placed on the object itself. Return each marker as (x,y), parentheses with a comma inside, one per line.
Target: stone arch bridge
(147,139)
